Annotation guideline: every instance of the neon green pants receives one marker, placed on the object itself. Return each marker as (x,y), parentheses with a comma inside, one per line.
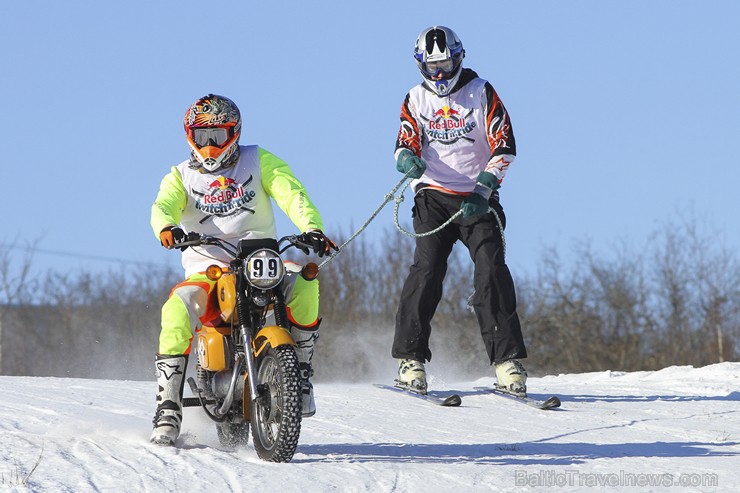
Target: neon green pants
(190,305)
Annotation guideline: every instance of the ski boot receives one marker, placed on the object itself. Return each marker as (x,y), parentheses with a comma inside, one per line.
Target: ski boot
(512,377)
(412,376)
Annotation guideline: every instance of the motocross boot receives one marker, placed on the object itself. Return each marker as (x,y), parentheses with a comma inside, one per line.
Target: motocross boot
(412,376)
(305,339)
(170,381)
(512,377)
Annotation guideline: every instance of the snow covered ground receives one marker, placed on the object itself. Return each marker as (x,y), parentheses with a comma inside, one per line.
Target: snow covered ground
(677,429)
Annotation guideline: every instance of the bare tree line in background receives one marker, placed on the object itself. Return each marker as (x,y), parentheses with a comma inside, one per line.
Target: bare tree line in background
(674,302)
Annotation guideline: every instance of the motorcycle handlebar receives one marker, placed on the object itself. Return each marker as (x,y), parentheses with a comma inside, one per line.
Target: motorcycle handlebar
(194,239)
(296,241)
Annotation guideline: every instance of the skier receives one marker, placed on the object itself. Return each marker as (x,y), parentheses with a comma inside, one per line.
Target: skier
(224,189)
(456,136)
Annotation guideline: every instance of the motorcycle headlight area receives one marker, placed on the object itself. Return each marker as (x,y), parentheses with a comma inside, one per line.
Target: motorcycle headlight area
(264,269)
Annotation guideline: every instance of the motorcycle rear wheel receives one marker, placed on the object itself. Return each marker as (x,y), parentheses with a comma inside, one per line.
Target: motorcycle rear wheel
(276,415)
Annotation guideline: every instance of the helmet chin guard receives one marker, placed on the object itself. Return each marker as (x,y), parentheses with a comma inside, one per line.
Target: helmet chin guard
(227,159)
(442,87)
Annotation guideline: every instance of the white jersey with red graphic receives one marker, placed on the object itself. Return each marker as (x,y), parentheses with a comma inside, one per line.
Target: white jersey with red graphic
(458,135)
(231,204)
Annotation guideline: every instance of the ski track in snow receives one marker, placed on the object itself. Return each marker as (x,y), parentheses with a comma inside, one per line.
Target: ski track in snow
(92,435)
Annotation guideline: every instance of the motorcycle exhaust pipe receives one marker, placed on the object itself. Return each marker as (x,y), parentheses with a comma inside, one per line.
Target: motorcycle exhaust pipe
(229,399)
(221,384)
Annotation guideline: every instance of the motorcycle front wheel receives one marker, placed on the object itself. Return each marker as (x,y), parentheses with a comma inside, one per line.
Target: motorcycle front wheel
(276,415)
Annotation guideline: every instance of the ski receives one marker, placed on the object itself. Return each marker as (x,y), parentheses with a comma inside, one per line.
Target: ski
(450,401)
(549,403)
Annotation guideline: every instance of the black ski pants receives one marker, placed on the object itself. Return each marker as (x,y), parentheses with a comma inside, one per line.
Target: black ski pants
(494,301)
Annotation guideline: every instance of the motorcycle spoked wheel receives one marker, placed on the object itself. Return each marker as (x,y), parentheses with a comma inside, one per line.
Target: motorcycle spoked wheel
(276,415)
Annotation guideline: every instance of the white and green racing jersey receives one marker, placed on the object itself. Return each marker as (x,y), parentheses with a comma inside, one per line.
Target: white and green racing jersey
(232,203)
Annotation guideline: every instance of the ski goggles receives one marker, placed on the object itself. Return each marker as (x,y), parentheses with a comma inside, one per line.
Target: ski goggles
(211,136)
(445,67)
(438,67)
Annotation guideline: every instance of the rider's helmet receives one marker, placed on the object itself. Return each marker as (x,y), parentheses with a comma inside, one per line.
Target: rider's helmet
(439,51)
(213,125)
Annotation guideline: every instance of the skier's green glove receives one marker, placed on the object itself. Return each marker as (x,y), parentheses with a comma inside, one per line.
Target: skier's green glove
(474,205)
(488,180)
(407,161)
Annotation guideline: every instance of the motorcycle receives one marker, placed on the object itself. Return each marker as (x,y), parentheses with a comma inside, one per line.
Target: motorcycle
(247,369)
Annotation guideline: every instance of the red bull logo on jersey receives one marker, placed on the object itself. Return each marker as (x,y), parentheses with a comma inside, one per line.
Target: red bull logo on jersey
(225,197)
(448,125)
(446,112)
(222,183)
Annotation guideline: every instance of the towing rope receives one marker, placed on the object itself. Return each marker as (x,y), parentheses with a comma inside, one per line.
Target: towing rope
(392,196)
(388,197)
(400,199)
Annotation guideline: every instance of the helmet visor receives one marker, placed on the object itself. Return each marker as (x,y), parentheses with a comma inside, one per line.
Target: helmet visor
(211,136)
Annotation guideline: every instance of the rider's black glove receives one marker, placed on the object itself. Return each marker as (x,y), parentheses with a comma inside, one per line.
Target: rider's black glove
(320,244)
(171,236)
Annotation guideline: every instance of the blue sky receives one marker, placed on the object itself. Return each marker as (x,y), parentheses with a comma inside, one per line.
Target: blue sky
(626,114)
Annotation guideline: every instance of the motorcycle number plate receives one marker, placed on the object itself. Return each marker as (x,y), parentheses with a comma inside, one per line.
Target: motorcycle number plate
(265,268)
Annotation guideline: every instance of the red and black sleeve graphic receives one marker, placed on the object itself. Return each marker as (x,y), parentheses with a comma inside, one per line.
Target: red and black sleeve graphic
(498,126)
(408,135)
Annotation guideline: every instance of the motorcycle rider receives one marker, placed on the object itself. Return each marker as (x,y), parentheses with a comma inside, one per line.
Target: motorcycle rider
(456,137)
(224,189)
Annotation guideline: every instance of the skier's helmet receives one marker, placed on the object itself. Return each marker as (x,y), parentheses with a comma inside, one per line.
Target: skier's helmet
(439,52)
(213,125)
